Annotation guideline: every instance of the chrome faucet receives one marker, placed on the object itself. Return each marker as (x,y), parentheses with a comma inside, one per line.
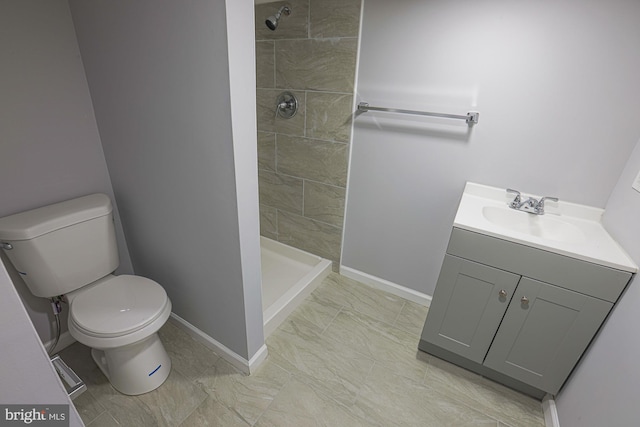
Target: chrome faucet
(531,205)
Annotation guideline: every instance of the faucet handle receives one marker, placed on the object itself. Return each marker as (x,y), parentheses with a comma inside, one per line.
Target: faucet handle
(540,206)
(516,200)
(553,199)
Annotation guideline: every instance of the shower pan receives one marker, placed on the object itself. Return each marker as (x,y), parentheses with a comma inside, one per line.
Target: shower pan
(289,275)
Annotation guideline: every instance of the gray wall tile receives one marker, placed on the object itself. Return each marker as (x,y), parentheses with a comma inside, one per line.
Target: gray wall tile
(267,151)
(312,53)
(266,113)
(294,26)
(279,191)
(324,202)
(265,64)
(321,64)
(312,159)
(329,116)
(268,222)
(334,18)
(309,235)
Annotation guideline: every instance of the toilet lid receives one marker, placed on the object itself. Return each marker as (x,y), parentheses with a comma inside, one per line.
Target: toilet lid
(118,306)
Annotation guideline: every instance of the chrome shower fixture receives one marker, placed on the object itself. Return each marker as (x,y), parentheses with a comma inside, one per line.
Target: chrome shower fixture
(272,21)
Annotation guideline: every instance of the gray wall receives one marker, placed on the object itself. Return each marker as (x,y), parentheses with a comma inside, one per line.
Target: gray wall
(556,88)
(303,161)
(159,75)
(604,389)
(50,148)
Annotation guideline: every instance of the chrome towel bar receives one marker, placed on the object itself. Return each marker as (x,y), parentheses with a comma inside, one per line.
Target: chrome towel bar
(471,117)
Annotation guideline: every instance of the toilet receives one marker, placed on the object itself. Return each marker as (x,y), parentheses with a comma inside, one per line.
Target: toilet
(70,249)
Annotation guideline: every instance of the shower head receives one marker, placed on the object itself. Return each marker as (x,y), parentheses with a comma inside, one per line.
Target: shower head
(272,21)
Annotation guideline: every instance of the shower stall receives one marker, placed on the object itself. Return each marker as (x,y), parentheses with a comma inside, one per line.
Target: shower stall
(305,71)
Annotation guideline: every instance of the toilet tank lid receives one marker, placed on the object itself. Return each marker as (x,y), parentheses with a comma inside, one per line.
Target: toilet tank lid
(36,222)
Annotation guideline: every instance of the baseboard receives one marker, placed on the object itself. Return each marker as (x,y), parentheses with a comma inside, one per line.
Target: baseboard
(244,365)
(550,412)
(387,286)
(65,341)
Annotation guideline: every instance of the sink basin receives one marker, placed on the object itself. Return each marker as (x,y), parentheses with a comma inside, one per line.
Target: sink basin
(543,226)
(567,228)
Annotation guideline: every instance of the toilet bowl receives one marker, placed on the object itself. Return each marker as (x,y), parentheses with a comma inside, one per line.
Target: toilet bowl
(119,317)
(70,249)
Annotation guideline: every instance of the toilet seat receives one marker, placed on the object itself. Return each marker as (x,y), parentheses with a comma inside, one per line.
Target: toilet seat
(118,310)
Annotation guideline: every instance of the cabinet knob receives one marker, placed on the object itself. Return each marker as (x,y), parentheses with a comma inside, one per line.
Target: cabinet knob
(524,300)
(502,293)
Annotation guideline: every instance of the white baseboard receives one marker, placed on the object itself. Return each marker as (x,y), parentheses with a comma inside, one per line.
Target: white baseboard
(385,285)
(244,365)
(65,341)
(550,412)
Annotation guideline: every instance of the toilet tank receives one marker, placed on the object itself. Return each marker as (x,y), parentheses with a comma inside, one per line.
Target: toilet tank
(62,247)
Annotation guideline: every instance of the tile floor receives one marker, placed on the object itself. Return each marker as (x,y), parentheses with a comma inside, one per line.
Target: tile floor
(346,357)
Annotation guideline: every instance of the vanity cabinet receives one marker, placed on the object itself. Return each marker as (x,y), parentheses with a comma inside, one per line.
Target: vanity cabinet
(468,305)
(517,314)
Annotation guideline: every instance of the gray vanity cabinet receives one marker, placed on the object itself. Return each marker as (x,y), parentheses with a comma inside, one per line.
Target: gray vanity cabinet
(469,303)
(519,315)
(544,332)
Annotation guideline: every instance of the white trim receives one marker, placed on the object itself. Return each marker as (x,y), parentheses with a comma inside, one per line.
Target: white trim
(550,412)
(65,341)
(244,365)
(385,285)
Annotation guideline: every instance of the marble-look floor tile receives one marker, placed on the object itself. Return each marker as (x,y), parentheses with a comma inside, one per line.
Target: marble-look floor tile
(79,357)
(316,312)
(172,402)
(412,317)
(88,407)
(331,367)
(188,356)
(129,411)
(213,413)
(486,396)
(284,419)
(361,298)
(346,357)
(301,403)
(104,420)
(388,399)
(247,396)
(389,346)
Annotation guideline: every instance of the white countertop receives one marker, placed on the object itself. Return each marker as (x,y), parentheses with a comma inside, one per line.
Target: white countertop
(566,228)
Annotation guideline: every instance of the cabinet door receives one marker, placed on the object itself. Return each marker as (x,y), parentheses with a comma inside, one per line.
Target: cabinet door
(544,332)
(468,304)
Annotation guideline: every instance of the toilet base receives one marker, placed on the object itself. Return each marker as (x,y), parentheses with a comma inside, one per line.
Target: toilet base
(136,368)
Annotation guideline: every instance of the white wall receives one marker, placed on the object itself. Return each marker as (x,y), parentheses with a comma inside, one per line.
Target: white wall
(242,86)
(49,145)
(604,389)
(159,75)
(27,375)
(555,83)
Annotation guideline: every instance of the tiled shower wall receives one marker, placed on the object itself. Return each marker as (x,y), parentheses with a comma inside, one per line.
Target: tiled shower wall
(302,161)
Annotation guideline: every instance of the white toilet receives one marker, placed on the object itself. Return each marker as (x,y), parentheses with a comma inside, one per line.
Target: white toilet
(69,248)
